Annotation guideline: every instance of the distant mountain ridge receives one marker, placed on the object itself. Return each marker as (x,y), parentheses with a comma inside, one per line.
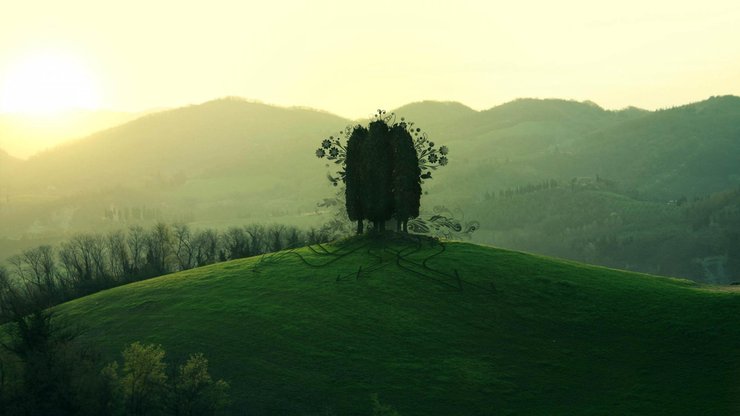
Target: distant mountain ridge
(25,135)
(232,161)
(219,134)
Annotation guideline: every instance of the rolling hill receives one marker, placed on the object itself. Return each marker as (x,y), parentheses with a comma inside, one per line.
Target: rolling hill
(689,150)
(213,138)
(24,135)
(7,162)
(434,329)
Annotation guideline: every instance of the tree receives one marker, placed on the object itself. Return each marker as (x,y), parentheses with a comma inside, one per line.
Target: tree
(118,255)
(355,177)
(136,242)
(406,177)
(195,393)
(378,168)
(159,249)
(184,250)
(49,373)
(383,167)
(144,381)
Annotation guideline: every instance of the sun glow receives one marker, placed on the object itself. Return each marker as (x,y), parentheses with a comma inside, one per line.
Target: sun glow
(48,83)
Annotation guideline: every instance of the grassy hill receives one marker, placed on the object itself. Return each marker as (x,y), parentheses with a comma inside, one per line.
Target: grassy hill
(435,329)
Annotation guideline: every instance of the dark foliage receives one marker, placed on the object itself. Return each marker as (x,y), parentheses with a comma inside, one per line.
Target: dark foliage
(406,176)
(355,177)
(45,371)
(88,263)
(378,167)
(382,167)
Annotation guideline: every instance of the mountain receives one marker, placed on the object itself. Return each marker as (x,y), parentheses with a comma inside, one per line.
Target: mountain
(433,329)
(7,160)
(689,150)
(27,135)
(434,115)
(8,165)
(221,135)
(232,162)
(223,160)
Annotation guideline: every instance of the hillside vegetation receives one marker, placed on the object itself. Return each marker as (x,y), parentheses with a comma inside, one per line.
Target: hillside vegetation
(434,329)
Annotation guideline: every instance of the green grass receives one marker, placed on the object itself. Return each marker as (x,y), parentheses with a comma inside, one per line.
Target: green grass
(525,334)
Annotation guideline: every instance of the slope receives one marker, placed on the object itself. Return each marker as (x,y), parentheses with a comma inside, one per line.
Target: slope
(218,163)
(526,140)
(434,329)
(689,150)
(25,135)
(7,162)
(434,116)
(211,138)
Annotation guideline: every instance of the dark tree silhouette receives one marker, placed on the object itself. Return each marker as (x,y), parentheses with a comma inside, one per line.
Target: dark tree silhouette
(378,167)
(406,176)
(354,177)
(382,167)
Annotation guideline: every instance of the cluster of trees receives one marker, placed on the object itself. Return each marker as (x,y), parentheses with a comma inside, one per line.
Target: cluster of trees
(521,190)
(45,370)
(697,239)
(127,214)
(382,167)
(87,263)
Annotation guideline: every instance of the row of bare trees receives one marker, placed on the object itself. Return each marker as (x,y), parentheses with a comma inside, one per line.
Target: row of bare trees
(88,263)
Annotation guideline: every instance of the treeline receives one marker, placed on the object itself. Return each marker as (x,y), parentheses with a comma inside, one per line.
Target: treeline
(88,263)
(697,238)
(522,189)
(126,214)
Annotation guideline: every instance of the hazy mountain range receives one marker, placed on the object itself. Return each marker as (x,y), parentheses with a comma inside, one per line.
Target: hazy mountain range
(231,161)
(23,135)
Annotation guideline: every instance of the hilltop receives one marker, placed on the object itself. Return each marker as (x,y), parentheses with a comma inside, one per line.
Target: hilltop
(434,329)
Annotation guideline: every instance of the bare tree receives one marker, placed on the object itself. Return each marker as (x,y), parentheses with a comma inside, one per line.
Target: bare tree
(118,255)
(294,238)
(42,267)
(84,260)
(136,242)
(206,247)
(159,249)
(275,234)
(236,243)
(184,250)
(256,239)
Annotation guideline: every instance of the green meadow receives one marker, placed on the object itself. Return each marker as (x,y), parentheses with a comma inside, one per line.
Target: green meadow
(433,328)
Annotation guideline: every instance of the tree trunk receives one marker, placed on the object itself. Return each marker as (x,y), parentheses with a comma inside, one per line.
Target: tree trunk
(399,225)
(406,226)
(360,227)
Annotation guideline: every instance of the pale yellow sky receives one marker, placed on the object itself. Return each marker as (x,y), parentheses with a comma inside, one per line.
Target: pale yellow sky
(350,58)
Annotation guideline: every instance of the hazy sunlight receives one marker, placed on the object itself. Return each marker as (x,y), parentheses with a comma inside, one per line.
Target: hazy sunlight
(48,82)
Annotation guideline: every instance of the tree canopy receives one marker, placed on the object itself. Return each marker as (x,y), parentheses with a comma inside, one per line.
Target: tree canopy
(382,167)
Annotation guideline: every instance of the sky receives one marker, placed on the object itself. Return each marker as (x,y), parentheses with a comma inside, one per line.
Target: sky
(350,58)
